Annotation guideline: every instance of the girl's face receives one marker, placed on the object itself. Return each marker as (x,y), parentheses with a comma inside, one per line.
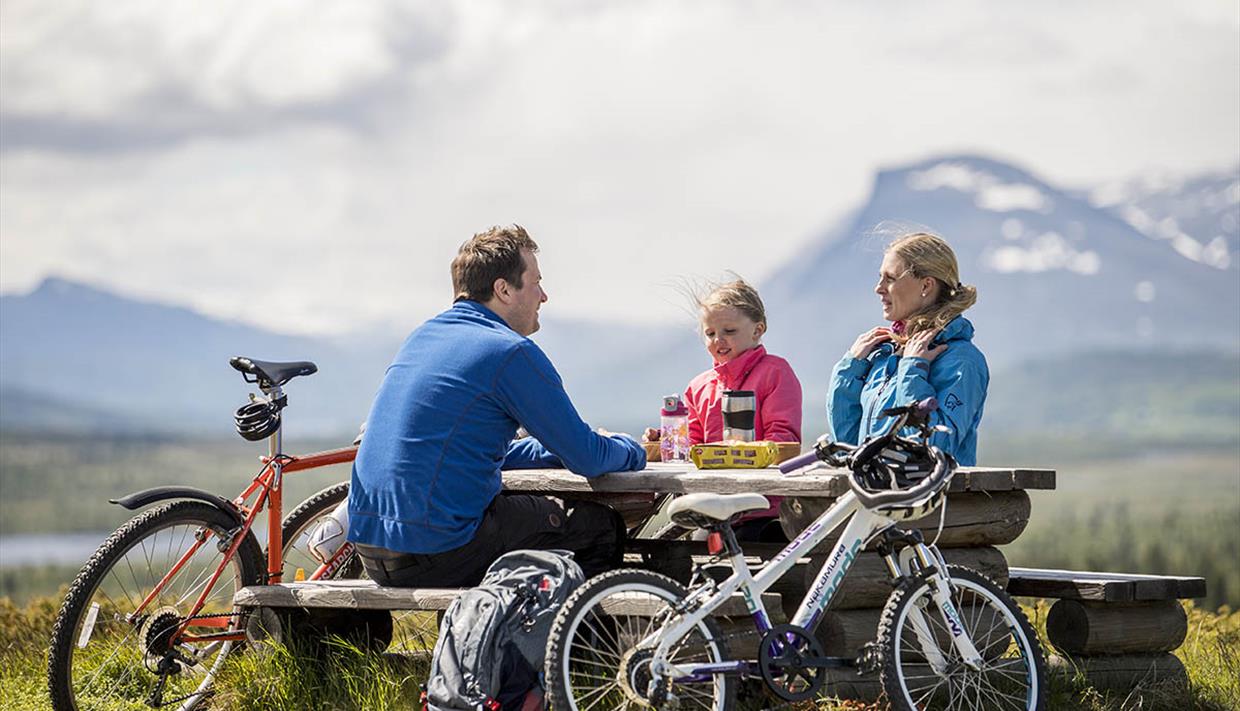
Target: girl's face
(729,333)
(899,290)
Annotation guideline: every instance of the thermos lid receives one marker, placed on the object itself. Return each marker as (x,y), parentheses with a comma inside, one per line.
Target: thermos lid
(673,407)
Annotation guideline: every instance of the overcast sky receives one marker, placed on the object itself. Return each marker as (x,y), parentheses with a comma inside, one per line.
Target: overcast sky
(181,150)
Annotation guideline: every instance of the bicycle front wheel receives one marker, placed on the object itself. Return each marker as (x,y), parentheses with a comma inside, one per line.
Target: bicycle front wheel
(106,654)
(593,661)
(921,667)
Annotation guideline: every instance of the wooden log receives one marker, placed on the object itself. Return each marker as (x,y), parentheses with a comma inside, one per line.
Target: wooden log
(972,519)
(1093,628)
(843,633)
(1127,673)
(868,584)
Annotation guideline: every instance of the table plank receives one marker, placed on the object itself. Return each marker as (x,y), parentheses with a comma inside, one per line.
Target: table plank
(678,478)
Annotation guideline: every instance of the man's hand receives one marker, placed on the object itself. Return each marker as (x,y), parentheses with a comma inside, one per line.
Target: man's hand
(608,433)
(868,341)
(919,346)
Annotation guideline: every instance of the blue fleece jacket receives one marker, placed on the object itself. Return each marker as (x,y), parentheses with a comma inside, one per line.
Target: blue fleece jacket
(861,388)
(441,428)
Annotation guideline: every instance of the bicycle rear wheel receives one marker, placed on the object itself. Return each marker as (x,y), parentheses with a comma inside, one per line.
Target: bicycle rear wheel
(412,630)
(1012,676)
(103,656)
(592,659)
(298,526)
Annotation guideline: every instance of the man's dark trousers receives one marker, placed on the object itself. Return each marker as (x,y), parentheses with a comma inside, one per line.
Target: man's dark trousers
(593,532)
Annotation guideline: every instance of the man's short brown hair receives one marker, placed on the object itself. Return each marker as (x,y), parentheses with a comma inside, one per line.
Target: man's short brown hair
(487,256)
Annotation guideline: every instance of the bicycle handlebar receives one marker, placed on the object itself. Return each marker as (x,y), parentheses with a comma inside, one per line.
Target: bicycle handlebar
(916,414)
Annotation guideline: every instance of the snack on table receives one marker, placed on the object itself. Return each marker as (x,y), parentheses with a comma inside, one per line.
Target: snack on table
(734,455)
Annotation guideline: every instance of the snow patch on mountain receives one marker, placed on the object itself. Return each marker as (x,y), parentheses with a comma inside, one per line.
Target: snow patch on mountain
(1214,254)
(1044,252)
(989,192)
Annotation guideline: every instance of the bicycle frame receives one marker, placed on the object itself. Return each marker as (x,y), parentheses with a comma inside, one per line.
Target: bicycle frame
(267,491)
(862,525)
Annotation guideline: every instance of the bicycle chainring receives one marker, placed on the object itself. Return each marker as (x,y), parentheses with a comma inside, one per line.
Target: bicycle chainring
(787,661)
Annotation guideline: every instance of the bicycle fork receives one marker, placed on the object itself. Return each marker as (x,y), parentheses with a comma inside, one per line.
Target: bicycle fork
(934,569)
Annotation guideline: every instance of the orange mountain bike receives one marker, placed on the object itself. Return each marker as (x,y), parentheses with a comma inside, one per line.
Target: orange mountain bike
(150,620)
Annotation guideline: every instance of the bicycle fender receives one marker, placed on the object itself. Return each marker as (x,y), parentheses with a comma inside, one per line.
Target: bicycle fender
(146,497)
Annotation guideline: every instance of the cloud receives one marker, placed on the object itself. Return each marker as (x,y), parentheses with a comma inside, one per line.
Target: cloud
(183,150)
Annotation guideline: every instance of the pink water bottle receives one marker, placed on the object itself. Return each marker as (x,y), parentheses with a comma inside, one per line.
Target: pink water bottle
(673,430)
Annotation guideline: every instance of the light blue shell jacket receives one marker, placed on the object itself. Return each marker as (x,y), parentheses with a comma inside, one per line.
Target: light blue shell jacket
(861,388)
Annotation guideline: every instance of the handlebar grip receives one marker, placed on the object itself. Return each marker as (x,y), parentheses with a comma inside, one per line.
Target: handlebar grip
(797,462)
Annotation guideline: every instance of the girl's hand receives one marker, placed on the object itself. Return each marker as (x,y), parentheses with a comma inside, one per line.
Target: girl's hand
(868,341)
(651,434)
(919,346)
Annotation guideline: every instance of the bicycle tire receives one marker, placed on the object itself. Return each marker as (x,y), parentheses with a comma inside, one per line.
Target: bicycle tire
(579,633)
(301,521)
(1014,675)
(108,588)
(407,630)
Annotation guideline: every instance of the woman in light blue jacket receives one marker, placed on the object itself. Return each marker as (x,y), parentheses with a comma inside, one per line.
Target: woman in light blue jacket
(926,351)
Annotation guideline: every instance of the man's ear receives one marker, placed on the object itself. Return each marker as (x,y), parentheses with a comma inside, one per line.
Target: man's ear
(502,290)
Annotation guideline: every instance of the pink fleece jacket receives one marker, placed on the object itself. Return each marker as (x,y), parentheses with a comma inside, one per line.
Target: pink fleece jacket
(777,390)
(776,387)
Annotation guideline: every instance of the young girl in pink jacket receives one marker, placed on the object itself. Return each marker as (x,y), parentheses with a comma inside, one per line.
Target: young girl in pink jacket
(733,321)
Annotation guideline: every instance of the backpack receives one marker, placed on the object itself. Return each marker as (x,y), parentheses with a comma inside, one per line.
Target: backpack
(493,638)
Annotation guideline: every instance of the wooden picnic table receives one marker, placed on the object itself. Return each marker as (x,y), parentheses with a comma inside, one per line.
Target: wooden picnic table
(685,478)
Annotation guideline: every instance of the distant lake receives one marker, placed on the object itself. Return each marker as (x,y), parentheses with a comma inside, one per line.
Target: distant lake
(36,549)
(48,548)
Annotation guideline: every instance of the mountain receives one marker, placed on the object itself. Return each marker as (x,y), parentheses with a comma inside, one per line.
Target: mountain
(140,362)
(1055,274)
(1058,273)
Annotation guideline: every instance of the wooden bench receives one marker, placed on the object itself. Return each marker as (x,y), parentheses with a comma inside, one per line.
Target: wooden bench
(332,599)
(1118,630)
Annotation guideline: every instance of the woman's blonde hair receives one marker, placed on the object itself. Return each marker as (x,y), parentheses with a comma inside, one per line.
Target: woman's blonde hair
(927,255)
(737,294)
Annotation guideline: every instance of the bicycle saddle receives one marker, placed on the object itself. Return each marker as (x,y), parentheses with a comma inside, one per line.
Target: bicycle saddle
(702,510)
(269,373)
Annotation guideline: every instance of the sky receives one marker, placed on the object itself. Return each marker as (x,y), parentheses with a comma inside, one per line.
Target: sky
(312,167)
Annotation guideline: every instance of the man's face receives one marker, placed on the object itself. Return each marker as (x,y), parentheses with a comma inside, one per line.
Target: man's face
(523,310)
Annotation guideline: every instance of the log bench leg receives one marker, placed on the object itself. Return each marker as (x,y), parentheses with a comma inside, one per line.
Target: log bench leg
(368,629)
(1082,628)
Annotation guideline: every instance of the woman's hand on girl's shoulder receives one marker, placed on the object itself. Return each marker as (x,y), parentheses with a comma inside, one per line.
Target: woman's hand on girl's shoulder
(919,346)
(868,341)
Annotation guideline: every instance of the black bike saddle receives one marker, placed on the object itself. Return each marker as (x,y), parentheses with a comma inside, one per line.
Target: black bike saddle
(268,373)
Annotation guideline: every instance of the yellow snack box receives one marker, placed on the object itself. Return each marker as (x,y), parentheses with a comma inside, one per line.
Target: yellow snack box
(734,455)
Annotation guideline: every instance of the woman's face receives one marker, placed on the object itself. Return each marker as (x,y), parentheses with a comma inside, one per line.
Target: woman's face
(899,290)
(728,333)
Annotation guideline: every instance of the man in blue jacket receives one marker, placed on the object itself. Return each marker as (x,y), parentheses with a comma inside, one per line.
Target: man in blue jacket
(425,504)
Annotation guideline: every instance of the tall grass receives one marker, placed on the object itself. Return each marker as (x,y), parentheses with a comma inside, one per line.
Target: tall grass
(338,675)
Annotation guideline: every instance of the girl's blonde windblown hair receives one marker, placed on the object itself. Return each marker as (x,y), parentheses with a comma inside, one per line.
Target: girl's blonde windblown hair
(928,255)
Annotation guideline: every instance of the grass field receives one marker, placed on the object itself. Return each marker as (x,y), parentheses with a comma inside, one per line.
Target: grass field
(279,678)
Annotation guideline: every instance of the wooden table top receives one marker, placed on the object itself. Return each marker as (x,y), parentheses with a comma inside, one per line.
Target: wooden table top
(684,478)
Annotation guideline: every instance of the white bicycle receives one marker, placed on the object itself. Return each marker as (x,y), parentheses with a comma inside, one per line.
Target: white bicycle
(949,638)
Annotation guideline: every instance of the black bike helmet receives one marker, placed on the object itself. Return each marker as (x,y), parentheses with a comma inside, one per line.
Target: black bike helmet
(257,420)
